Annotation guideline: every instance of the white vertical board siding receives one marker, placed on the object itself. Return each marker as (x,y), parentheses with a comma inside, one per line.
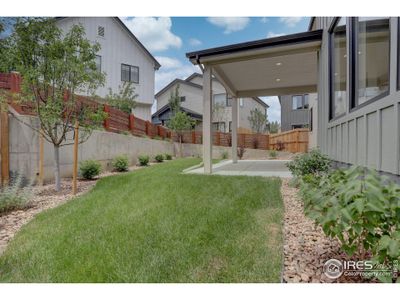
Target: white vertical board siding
(369,135)
(117,48)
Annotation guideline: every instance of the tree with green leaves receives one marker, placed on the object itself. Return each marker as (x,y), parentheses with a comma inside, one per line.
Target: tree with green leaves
(258,121)
(55,66)
(179,123)
(274,127)
(124,99)
(175,100)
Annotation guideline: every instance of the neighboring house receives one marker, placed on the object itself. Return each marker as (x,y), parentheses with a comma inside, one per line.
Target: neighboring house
(191,93)
(294,111)
(352,63)
(122,58)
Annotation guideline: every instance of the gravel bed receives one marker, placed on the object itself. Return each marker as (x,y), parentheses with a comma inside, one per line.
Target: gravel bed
(306,248)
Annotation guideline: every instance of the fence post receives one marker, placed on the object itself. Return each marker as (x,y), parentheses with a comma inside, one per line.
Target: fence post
(193,137)
(4,145)
(15,84)
(106,122)
(218,139)
(131,122)
(147,127)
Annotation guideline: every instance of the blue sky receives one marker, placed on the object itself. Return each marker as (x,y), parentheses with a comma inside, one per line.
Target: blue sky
(169,39)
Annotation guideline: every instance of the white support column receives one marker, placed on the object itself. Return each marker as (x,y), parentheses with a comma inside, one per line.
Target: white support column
(234,128)
(207,117)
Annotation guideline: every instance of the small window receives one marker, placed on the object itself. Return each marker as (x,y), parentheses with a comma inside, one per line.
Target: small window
(241,102)
(230,126)
(183,99)
(129,73)
(100,31)
(222,126)
(297,102)
(218,126)
(297,126)
(220,99)
(215,126)
(98,63)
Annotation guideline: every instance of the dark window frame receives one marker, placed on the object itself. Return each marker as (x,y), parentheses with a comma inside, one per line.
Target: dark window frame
(99,31)
(331,69)
(302,102)
(130,73)
(354,68)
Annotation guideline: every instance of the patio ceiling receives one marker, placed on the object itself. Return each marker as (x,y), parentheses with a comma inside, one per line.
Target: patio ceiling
(269,67)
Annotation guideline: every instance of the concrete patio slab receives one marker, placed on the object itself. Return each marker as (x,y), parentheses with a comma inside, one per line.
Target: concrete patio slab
(264,168)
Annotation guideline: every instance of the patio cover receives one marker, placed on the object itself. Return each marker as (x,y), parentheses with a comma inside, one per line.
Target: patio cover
(269,67)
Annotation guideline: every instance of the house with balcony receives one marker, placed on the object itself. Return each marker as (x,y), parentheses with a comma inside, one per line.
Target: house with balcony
(122,57)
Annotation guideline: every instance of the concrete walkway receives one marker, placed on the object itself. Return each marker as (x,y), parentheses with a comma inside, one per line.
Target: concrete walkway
(265,168)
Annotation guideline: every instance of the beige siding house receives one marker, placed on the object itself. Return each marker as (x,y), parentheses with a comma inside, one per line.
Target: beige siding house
(122,58)
(191,93)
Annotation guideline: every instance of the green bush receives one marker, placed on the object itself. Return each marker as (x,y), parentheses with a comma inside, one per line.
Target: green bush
(224,155)
(359,208)
(144,160)
(313,162)
(121,163)
(273,154)
(168,156)
(159,158)
(13,196)
(89,168)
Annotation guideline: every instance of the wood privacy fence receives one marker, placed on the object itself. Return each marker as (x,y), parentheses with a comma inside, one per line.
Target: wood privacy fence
(292,141)
(122,122)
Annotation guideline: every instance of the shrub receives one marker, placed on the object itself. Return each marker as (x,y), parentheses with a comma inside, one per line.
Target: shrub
(168,156)
(159,158)
(240,152)
(89,168)
(313,162)
(273,154)
(224,155)
(121,163)
(14,196)
(359,208)
(144,160)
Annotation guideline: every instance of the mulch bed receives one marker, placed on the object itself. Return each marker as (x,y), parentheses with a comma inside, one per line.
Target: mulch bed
(306,248)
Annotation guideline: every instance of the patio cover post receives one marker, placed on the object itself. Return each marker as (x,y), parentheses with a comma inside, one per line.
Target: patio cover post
(234,128)
(207,115)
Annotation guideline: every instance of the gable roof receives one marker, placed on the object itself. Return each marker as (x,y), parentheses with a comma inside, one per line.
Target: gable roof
(180,81)
(167,107)
(132,36)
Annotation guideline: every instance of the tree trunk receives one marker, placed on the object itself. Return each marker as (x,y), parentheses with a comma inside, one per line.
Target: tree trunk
(57,168)
(180,146)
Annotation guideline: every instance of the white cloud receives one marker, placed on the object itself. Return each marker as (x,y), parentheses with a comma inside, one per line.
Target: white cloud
(273,34)
(290,21)
(230,24)
(274,110)
(194,42)
(172,68)
(154,33)
(264,20)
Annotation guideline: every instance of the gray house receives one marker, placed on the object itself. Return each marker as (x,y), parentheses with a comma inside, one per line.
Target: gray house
(351,62)
(191,93)
(122,57)
(295,111)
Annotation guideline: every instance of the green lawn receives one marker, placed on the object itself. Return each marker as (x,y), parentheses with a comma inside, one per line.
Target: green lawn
(156,225)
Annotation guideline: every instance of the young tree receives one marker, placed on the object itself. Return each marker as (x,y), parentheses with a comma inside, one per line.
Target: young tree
(258,121)
(175,100)
(274,127)
(179,123)
(124,99)
(54,66)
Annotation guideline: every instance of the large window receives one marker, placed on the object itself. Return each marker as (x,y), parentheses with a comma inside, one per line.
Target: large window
(372,59)
(338,69)
(129,73)
(218,126)
(300,102)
